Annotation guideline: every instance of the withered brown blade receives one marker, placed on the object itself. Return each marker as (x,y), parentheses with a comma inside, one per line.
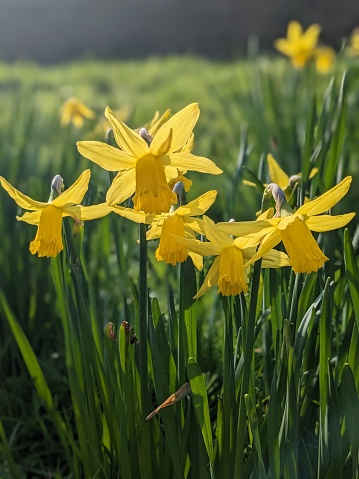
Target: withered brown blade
(176,396)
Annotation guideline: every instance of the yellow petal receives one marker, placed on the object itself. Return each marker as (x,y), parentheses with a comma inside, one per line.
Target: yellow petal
(195,224)
(22,200)
(122,187)
(197,260)
(198,206)
(181,124)
(284,46)
(32,218)
(86,213)
(210,279)
(199,247)
(277,175)
(310,36)
(78,121)
(269,242)
(128,140)
(48,239)
(215,235)
(328,222)
(106,156)
(191,162)
(257,228)
(75,193)
(326,201)
(157,122)
(275,259)
(154,232)
(294,30)
(130,214)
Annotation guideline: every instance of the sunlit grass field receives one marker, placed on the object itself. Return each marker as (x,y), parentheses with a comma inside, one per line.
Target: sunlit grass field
(274,373)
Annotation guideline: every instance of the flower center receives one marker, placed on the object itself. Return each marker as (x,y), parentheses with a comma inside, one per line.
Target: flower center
(153,194)
(48,239)
(231,272)
(169,250)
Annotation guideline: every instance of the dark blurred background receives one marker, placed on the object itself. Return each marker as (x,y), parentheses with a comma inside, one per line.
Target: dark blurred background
(58,30)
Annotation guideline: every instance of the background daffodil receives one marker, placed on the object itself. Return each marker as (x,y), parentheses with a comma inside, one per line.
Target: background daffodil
(294,229)
(48,216)
(179,222)
(146,167)
(228,270)
(73,110)
(299,45)
(278,176)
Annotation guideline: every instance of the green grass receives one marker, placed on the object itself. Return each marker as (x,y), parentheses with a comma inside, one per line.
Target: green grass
(274,374)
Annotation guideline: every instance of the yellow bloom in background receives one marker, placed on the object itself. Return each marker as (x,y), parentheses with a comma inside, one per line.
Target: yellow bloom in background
(299,45)
(146,165)
(324,59)
(73,110)
(353,46)
(48,216)
(228,270)
(278,176)
(179,222)
(294,229)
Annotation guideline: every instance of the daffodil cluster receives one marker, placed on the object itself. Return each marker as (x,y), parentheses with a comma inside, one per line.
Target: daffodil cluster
(151,166)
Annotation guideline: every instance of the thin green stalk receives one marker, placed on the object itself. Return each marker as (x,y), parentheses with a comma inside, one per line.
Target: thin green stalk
(248,355)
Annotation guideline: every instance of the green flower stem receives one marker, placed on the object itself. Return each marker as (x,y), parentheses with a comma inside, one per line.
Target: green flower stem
(248,349)
(143,319)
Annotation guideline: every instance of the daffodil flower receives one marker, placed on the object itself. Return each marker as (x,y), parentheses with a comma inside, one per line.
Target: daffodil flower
(324,58)
(228,270)
(179,222)
(353,46)
(294,229)
(48,216)
(73,110)
(145,167)
(299,46)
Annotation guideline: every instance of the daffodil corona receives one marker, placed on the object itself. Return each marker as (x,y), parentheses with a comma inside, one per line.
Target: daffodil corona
(146,166)
(48,216)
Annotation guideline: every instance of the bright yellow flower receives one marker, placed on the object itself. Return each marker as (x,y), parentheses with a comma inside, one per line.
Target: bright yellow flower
(299,46)
(294,229)
(353,47)
(48,216)
(228,270)
(324,59)
(146,167)
(179,222)
(73,110)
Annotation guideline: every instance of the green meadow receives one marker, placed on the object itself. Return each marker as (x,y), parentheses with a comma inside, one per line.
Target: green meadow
(93,340)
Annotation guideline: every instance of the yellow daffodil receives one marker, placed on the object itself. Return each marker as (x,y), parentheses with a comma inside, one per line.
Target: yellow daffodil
(324,59)
(299,46)
(353,46)
(278,176)
(294,228)
(73,110)
(147,164)
(228,270)
(48,216)
(179,222)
